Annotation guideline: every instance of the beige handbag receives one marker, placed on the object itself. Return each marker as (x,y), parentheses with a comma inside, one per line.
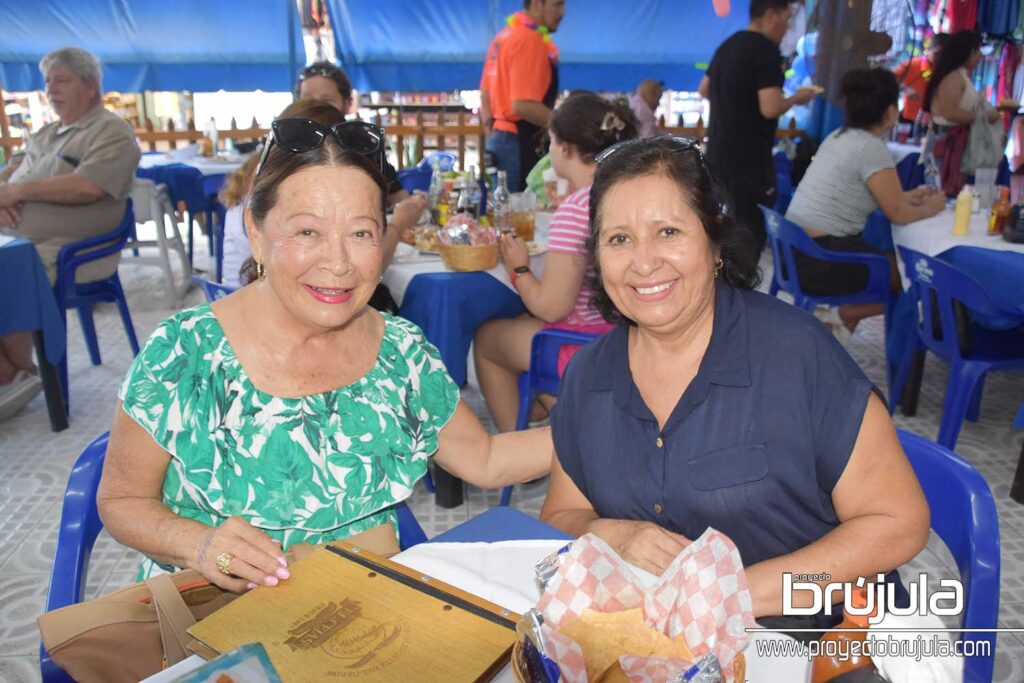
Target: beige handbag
(135,632)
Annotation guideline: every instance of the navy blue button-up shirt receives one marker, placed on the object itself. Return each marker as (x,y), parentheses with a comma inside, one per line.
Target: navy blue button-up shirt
(754,446)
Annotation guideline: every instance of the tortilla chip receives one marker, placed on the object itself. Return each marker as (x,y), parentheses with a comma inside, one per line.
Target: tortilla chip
(606,636)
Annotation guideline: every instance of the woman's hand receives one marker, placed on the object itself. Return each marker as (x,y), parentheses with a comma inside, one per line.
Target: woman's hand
(513,251)
(254,558)
(643,544)
(408,211)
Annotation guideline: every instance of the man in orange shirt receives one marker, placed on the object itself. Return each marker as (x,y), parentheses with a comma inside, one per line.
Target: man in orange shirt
(913,75)
(518,87)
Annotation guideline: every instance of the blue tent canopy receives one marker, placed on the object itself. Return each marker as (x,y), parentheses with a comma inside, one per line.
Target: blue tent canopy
(603,44)
(199,45)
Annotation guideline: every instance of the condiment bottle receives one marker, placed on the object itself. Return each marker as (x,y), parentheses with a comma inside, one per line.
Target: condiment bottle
(1000,212)
(962,216)
(501,204)
(444,207)
(834,668)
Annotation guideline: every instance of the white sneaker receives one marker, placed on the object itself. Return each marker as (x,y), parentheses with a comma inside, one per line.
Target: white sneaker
(18,394)
(829,315)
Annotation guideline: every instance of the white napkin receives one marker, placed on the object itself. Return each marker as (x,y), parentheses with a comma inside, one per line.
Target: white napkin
(932,669)
(500,572)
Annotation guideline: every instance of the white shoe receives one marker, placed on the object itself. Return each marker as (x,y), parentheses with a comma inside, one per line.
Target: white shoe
(18,394)
(830,317)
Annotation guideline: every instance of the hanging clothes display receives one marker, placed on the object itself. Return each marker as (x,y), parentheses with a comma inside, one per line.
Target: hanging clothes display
(962,15)
(998,17)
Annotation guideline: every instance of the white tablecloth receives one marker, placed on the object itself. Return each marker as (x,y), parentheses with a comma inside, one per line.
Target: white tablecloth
(202,164)
(403,269)
(503,573)
(934,235)
(901,151)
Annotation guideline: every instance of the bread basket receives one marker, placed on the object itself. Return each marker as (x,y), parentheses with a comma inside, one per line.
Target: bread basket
(466,258)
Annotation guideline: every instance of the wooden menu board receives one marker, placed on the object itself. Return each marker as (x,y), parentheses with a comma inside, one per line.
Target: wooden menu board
(346,613)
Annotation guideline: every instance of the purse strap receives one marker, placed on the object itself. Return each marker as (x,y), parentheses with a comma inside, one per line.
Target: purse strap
(173,616)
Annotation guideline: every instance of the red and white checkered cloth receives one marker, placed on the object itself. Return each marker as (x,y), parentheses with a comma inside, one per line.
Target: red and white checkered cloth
(702,596)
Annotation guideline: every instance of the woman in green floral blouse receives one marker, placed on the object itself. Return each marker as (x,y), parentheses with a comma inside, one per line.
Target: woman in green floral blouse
(290,411)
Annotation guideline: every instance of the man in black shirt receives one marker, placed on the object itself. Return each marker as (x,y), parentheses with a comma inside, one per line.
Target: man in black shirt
(744,84)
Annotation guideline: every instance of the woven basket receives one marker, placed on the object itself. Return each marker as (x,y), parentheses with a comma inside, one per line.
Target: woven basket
(739,665)
(464,257)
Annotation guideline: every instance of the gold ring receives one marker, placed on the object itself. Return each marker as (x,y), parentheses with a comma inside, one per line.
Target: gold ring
(224,562)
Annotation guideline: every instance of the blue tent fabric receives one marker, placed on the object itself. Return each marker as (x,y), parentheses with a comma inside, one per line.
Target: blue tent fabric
(197,45)
(604,44)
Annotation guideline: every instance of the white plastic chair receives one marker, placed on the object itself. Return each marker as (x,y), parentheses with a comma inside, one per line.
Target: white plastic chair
(152,203)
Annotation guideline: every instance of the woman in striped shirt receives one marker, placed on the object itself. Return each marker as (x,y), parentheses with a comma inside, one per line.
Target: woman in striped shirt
(581,127)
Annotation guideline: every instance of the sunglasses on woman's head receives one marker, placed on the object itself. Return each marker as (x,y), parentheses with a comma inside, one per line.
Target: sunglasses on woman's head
(678,143)
(325,72)
(302,135)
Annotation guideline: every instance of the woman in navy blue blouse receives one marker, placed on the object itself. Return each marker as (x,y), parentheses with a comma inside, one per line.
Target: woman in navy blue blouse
(714,405)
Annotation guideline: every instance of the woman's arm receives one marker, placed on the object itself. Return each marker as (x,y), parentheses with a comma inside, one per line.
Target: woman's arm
(643,544)
(903,207)
(883,512)
(131,506)
(466,450)
(552,297)
(946,101)
(405,216)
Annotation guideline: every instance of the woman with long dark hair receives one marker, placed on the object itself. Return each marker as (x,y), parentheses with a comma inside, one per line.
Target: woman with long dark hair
(955,104)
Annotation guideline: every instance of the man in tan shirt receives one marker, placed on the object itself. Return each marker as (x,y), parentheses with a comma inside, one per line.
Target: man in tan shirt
(72,182)
(76,174)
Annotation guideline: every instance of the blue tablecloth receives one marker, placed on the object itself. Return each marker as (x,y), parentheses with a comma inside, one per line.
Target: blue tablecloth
(501,524)
(27,302)
(184,183)
(449,307)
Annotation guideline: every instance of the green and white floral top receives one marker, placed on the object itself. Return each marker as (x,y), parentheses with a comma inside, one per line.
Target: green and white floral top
(304,470)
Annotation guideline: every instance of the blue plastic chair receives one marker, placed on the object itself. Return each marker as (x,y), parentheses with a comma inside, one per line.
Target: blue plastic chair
(944,299)
(448,161)
(415,178)
(212,290)
(542,377)
(212,185)
(964,516)
(80,525)
(83,296)
(786,236)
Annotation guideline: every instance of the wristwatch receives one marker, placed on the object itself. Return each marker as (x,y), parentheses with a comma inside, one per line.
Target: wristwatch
(518,271)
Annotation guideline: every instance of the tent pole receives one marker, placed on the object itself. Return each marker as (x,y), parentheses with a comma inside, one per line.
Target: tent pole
(293,66)
(5,127)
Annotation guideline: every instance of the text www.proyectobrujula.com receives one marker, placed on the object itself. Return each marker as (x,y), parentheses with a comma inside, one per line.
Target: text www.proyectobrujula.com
(918,648)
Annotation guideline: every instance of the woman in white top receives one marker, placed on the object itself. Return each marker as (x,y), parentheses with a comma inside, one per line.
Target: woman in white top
(951,97)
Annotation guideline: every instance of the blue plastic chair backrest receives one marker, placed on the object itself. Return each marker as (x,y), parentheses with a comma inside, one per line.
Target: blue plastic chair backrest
(934,287)
(544,357)
(448,161)
(785,236)
(415,178)
(212,290)
(74,254)
(964,515)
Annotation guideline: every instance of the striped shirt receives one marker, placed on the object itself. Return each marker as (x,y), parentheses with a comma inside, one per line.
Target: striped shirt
(568,234)
(833,196)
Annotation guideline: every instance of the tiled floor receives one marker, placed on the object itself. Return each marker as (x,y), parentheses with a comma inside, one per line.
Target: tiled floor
(34,465)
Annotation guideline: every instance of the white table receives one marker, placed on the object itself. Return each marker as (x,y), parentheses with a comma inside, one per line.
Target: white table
(403,269)
(202,164)
(934,235)
(901,150)
(503,573)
